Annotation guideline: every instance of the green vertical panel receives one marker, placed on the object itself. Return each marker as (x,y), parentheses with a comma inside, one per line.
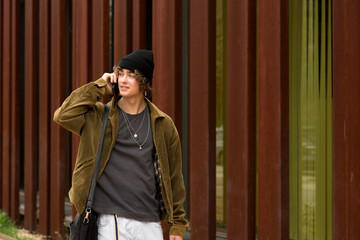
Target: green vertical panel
(221,85)
(320,223)
(304,137)
(317,127)
(310,119)
(303,117)
(293,116)
(309,174)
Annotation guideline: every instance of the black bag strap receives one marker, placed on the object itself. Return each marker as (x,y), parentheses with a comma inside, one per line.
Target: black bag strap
(97,160)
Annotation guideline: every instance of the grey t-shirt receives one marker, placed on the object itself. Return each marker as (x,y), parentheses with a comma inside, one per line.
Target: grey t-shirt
(127,185)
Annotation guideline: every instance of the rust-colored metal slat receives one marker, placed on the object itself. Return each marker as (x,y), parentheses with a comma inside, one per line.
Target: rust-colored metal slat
(167,50)
(273,123)
(6,99)
(100,38)
(241,108)
(82,43)
(15,109)
(31,110)
(57,134)
(45,117)
(346,121)
(202,118)
(122,29)
(139,24)
(100,42)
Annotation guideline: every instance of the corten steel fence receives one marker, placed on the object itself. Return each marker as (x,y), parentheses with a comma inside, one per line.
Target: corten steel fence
(49,47)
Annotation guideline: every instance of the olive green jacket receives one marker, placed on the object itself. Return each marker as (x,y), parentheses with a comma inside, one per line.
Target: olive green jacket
(81,113)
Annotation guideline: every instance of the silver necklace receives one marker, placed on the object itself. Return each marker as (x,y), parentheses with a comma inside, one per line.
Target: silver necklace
(127,126)
(128,122)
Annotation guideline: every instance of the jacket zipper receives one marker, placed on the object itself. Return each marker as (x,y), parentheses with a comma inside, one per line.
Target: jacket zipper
(116,228)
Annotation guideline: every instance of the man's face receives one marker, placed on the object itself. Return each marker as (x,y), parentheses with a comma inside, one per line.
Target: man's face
(128,85)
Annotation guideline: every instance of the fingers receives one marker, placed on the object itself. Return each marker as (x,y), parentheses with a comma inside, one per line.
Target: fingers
(105,76)
(110,77)
(113,78)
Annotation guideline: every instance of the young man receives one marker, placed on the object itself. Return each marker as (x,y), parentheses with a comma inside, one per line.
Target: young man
(140,179)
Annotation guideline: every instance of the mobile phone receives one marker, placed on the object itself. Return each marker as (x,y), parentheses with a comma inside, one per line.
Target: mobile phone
(115,90)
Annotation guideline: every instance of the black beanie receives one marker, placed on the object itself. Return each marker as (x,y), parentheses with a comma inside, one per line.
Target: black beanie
(141,60)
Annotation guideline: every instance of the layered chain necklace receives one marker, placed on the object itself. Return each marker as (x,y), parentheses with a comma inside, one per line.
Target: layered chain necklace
(133,133)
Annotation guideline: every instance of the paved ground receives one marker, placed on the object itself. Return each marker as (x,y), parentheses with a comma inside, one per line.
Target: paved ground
(4,237)
(23,234)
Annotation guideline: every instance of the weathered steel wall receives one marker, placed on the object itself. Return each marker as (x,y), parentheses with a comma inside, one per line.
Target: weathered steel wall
(65,44)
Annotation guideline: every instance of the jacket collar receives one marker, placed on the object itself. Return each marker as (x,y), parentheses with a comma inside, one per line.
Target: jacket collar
(154,110)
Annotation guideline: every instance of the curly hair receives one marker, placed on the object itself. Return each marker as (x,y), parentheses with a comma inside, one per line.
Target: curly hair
(144,83)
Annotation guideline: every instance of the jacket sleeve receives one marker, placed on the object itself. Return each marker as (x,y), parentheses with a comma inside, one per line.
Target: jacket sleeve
(71,114)
(180,224)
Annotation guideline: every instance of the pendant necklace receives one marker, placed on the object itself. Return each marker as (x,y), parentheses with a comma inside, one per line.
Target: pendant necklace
(128,122)
(128,127)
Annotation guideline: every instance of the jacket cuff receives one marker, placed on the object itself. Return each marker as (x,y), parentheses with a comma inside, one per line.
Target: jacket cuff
(178,231)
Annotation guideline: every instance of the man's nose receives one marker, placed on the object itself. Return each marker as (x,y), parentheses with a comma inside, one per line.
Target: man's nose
(123,78)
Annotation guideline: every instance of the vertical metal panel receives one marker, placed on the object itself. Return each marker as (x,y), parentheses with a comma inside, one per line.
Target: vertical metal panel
(167,49)
(81,54)
(122,28)
(82,42)
(139,24)
(57,134)
(241,99)
(346,121)
(6,120)
(100,38)
(45,116)
(31,111)
(202,118)
(273,124)
(15,109)
(129,27)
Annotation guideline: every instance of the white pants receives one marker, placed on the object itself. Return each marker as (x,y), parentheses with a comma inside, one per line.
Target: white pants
(118,228)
